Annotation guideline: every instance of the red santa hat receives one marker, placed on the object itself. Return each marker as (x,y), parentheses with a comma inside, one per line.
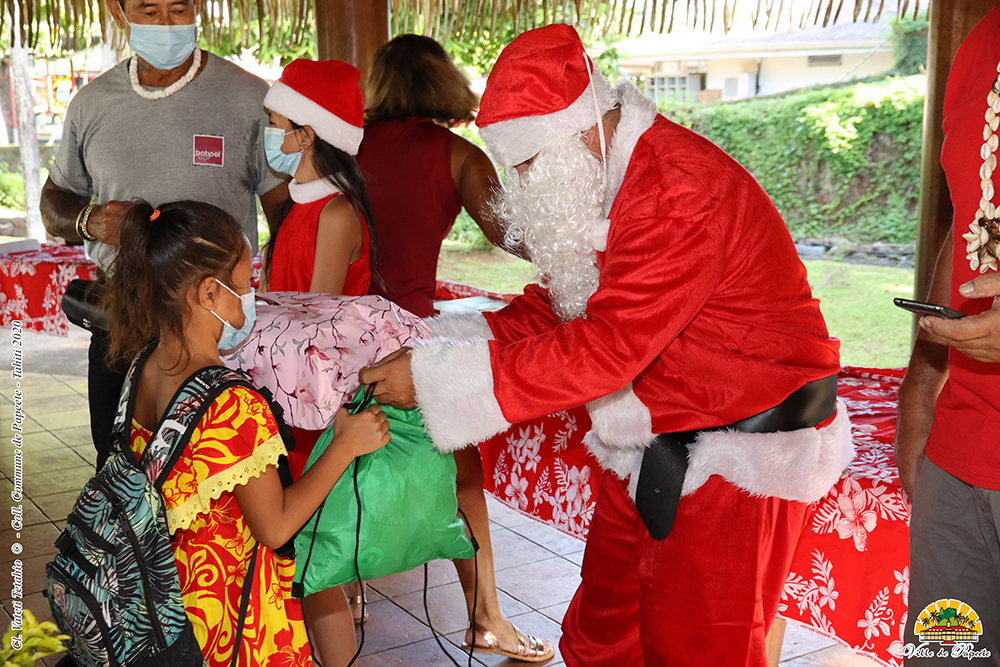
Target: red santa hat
(324,95)
(542,88)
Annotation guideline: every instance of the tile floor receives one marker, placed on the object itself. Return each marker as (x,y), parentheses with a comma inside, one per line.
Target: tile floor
(538,568)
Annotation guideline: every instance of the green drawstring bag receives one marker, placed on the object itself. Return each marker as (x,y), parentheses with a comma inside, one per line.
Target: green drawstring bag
(409,511)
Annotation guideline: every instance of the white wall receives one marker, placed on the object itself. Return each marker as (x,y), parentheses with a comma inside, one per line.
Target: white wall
(778,75)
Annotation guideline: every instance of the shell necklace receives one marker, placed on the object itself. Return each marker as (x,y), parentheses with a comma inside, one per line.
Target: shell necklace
(133,75)
(983,239)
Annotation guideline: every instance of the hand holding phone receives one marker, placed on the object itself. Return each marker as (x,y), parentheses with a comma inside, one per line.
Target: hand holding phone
(923,308)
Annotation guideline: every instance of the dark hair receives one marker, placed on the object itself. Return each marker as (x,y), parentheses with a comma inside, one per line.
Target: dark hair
(343,171)
(158,261)
(412,76)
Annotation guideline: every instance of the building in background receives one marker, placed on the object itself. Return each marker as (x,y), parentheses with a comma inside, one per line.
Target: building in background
(706,70)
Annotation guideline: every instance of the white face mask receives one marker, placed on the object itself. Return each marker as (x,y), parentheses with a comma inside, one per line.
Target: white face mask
(162,46)
(231,336)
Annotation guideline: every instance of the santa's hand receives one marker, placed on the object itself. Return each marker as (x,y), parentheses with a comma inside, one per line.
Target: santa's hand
(395,381)
(977,336)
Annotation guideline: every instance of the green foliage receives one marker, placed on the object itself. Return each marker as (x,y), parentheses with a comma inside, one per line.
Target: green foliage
(909,44)
(228,40)
(468,233)
(37,641)
(478,53)
(11,189)
(835,161)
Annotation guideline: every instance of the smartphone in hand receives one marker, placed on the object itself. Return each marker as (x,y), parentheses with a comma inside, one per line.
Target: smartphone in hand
(922,308)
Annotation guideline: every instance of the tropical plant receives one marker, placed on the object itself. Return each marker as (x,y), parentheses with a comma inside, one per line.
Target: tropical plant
(37,640)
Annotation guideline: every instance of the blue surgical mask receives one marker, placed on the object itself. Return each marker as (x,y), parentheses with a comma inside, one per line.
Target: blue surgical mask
(162,46)
(231,336)
(283,163)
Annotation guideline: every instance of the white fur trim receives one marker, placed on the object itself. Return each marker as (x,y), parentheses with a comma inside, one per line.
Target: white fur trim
(624,463)
(301,110)
(597,232)
(454,386)
(304,193)
(460,326)
(637,116)
(513,141)
(621,421)
(795,465)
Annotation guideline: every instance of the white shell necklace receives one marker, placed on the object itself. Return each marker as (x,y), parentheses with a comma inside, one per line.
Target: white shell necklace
(983,239)
(133,75)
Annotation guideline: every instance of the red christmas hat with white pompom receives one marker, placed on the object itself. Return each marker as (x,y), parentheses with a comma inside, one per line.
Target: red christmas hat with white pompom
(542,88)
(324,95)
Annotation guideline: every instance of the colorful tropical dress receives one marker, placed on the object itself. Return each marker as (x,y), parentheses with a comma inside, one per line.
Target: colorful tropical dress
(235,440)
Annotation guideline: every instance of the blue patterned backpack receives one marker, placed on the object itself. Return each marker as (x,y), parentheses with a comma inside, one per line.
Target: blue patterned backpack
(113,587)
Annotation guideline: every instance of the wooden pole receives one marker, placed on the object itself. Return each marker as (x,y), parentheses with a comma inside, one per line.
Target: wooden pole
(351,30)
(950,22)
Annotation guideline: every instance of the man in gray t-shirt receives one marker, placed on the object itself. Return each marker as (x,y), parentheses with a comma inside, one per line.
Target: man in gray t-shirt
(204,142)
(171,123)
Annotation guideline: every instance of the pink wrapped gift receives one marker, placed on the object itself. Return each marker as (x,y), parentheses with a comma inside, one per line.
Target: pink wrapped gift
(307,349)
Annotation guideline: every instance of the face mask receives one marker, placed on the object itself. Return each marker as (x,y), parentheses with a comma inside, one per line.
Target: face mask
(162,46)
(283,163)
(231,336)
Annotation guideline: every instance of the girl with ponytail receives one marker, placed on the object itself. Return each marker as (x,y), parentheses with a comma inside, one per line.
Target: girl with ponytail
(181,282)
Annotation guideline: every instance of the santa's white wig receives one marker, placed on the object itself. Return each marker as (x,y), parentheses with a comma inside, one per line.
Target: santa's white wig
(551,210)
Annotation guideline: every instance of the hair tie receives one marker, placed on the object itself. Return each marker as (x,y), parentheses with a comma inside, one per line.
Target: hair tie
(154,215)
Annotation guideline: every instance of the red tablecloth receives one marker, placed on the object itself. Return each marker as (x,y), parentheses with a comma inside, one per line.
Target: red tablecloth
(850,574)
(32,283)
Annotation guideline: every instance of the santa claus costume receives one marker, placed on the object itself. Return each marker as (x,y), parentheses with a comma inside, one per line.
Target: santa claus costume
(700,317)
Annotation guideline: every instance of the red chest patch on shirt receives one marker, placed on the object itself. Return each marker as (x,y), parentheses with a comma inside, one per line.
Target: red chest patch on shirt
(209,150)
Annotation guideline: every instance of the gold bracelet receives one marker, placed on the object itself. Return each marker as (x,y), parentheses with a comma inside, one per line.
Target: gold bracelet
(81,223)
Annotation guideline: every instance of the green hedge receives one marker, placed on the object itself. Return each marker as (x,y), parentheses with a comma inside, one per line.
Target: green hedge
(839,161)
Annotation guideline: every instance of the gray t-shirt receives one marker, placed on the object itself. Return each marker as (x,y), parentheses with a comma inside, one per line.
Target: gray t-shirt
(205,142)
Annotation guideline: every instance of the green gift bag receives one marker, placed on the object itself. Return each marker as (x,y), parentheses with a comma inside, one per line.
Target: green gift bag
(409,511)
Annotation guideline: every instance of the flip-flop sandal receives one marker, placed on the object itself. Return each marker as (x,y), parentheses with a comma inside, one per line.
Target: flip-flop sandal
(355,603)
(529,649)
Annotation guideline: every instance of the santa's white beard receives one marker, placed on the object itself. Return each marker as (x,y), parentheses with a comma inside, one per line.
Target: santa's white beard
(551,214)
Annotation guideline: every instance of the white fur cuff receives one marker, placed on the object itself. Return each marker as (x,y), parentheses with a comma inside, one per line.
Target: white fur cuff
(454,386)
(460,326)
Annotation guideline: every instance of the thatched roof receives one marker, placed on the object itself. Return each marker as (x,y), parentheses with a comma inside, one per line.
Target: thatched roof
(71,24)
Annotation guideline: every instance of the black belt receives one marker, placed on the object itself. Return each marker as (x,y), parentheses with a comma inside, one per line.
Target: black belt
(665,461)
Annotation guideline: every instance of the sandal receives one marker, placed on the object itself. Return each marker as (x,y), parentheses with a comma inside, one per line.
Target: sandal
(529,649)
(359,609)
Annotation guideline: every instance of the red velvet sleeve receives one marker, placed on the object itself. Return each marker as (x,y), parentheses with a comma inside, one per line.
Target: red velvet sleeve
(528,315)
(662,263)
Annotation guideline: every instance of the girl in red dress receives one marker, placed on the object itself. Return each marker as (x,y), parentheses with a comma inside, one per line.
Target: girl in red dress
(182,278)
(321,243)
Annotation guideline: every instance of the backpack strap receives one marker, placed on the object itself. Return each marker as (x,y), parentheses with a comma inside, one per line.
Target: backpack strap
(121,427)
(188,406)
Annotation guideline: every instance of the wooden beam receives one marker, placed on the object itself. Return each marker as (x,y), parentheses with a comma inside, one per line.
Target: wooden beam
(950,22)
(351,30)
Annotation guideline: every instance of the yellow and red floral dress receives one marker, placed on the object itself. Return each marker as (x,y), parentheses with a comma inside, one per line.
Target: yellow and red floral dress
(235,440)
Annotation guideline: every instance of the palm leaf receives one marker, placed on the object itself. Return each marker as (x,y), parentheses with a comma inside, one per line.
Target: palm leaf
(68,25)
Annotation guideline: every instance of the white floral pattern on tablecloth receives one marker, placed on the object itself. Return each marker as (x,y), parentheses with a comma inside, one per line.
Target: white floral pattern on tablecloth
(32,285)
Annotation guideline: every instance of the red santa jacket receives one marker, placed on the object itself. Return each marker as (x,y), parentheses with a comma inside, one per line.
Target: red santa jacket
(703,316)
